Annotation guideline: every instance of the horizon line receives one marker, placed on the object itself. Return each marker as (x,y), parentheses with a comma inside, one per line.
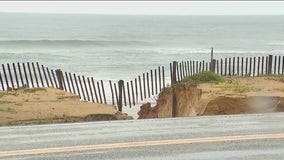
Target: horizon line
(120,14)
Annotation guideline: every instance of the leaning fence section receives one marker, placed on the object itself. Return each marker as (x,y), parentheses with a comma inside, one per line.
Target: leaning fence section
(31,75)
(118,93)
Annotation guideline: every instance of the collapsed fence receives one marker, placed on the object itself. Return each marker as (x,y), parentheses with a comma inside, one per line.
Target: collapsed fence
(130,93)
(119,93)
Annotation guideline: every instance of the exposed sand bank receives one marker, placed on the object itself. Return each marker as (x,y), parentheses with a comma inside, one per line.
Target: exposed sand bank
(48,105)
(236,95)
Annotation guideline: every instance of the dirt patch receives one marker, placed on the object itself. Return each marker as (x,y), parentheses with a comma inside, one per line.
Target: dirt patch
(48,105)
(187,102)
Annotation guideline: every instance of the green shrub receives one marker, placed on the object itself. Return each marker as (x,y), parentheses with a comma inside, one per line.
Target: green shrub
(202,77)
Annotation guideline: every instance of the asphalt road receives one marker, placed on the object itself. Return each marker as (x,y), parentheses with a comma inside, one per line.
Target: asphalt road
(254,136)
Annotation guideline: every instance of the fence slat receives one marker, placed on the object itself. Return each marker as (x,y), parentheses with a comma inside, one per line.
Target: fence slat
(92,95)
(99,92)
(230,71)
(140,87)
(26,75)
(148,85)
(54,79)
(206,66)
(82,88)
(233,66)
(111,89)
(258,66)
(44,73)
(136,90)
(133,94)
(250,66)
(40,76)
(120,88)
(156,83)
(61,77)
(77,86)
(180,71)
(16,76)
(275,62)
(163,75)
(129,98)
(262,66)
(246,66)
(254,62)
(5,75)
(152,83)
(71,81)
(270,64)
(225,66)
(279,59)
(191,69)
(221,66)
(95,91)
(238,66)
(68,82)
(86,88)
(171,74)
(116,95)
(185,69)
(196,63)
(160,78)
(188,68)
(242,66)
(178,75)
(2,84)
(282,65)
(20,73)
(124,95)
(33,65)
(103,90)
(10,74)
(217,66)
(144,85)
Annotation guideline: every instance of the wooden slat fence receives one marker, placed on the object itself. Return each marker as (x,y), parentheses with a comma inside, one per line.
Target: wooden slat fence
(235,66)
(34,75)
(132,92)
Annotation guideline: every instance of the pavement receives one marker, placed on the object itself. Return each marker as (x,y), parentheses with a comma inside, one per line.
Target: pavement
(251,136)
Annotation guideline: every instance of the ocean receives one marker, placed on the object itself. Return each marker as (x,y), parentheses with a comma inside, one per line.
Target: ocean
(113,47)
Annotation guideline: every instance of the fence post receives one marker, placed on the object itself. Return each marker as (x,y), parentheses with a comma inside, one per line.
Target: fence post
(120,87)
(213,65)
(211,60)
(174,76)
(270,57)
(174,103)
(59,75)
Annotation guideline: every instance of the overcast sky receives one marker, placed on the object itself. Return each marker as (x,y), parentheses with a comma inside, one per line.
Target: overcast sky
(147,7)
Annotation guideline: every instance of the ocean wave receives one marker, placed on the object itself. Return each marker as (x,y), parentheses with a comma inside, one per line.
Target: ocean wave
(276,44)
(71,42)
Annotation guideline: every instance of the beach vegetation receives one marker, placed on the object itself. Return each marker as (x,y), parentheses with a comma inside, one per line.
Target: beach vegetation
(204,77)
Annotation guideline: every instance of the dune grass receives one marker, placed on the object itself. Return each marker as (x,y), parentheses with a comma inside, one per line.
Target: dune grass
(204,77)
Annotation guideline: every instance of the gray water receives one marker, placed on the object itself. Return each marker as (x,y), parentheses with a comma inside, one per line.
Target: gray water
(110,47)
